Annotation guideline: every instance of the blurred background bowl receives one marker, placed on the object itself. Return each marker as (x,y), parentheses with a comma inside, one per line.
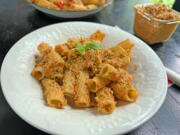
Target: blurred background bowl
(70,14)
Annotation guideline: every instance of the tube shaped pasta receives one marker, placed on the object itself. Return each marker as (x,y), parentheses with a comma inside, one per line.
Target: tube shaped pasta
(44,48)
(52,71)
(72,42)
(124,76)
(109,72)
(77,7)
(45,4)
(53,94)
(98,35)
(118,51)
(54,1)
(68,83)
(57,76)
(130,54)
(105,101)
(126,44)
(38,60)
(125,92)
(72,54)
(125,61)
(62,50)
(38,73)
(97,83)
(53,58)
(95,2)
(82,98)
(119,62)
(91,6)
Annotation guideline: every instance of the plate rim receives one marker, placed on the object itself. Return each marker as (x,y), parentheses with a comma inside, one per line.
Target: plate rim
(152,113)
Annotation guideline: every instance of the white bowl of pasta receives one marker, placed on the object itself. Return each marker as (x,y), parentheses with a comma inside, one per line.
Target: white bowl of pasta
(73,10)
(143,72)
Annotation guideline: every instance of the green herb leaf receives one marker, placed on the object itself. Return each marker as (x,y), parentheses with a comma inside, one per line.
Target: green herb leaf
(88,46)
(92,45)
(80,48)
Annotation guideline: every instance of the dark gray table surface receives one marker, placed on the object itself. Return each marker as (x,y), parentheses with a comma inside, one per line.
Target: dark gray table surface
(17,18)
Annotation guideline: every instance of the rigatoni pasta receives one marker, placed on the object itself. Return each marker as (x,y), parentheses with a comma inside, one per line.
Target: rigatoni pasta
(62,49)
(53,94)
(83,74)
(105,101)
(44,48)
(97,83)
(125,92)
(98,35)
(54,58)
(38,73)
(118,51)
(109,72)
(72,42)
(95,2)
(69,83)
(82,97)
(126,44)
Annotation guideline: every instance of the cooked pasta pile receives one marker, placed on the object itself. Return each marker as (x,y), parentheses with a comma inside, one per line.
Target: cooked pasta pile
(69,4)
(82,72)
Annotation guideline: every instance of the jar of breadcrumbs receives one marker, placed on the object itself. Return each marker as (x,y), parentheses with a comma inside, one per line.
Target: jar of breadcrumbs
(155,23)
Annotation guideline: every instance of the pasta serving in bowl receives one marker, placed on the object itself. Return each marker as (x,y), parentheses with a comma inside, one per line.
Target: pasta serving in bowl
(85,72)
(73,5)
(81,71)
(70,8)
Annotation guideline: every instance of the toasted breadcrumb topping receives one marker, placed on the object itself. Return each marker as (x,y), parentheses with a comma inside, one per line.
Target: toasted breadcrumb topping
(160,11)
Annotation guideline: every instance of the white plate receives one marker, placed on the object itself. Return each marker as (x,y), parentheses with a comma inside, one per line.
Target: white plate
(24,94)
(70,14)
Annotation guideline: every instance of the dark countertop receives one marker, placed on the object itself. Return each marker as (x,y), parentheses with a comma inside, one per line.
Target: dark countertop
(17,18)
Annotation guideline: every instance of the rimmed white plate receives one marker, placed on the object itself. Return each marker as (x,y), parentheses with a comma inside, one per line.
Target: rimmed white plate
(70,14)
(24,94)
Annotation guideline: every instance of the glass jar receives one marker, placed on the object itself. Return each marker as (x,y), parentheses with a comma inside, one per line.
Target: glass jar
(153,30)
